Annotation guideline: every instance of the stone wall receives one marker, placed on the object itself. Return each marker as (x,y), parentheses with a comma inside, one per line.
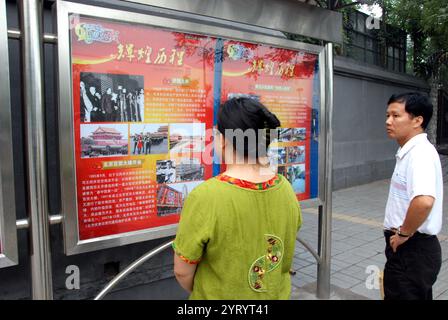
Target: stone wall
(362,151)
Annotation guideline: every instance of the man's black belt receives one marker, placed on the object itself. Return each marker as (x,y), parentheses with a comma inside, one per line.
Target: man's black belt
(417,234)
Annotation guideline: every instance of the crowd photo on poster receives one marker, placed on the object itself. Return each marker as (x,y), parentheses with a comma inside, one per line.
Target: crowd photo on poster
(148,138)
(292,134)
(187,137)
(166,171)
(296,175)
(111,97)
(170,198)
(277,155)
(296,154)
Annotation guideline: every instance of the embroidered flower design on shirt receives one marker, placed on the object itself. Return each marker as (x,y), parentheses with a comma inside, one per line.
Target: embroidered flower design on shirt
(266,263)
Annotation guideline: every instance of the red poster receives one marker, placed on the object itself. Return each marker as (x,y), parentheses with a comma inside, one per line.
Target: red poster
(282,80)
(142,100)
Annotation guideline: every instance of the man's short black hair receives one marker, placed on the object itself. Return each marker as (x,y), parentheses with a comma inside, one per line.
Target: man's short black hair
(415,104)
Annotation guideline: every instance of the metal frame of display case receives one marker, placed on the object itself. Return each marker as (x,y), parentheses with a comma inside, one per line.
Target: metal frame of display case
(67,148)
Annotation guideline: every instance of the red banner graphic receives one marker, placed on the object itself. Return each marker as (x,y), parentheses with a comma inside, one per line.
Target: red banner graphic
(142,101)
(282,80)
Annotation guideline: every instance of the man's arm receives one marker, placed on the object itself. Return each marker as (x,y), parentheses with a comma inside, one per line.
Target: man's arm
(184,273)
(416,215)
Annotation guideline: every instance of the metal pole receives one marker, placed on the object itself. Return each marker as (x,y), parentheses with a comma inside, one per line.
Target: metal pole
(33,99)
(131,268)
(324,268)
(319,227)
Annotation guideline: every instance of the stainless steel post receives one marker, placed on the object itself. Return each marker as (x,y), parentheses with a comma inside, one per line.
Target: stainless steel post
(324,268)
(8,234)
(33,99)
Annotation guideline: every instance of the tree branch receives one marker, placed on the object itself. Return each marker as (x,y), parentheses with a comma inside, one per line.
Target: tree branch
(349,5)
(319,3)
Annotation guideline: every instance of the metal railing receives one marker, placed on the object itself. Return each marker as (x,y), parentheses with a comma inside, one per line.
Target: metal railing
(131,268)
(155,252)
(311,250)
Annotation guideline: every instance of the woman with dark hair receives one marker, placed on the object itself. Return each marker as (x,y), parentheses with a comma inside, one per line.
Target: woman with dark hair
(237,231)
(140,143)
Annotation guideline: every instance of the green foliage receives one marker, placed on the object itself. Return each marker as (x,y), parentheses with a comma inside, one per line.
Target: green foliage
(426,22)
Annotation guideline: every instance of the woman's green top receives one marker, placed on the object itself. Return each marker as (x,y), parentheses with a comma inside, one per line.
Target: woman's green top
(243,239)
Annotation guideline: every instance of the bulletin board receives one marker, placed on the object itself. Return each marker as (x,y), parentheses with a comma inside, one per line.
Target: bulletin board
(138,99)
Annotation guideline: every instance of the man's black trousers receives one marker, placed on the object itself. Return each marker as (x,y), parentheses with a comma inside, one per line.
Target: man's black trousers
(412,270)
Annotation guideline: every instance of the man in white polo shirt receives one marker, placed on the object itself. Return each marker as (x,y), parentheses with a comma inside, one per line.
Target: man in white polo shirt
(414,207)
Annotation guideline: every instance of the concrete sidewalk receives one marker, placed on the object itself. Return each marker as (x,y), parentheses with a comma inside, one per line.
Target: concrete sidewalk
(357,243)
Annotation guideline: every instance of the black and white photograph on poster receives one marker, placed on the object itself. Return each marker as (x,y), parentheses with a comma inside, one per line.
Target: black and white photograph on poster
(166,171)
(296,154)
(189,169)
(105,140)
(148,138)
(170,198)
(277,155)
(187,137)
(106,97)
(296,175)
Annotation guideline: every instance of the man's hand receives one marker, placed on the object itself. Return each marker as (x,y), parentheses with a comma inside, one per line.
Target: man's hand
(417,213)
(395,241)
